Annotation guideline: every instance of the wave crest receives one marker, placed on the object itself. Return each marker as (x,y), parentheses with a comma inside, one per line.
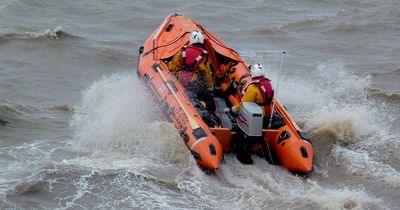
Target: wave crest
(117,120)
(340,132)
(52,33)
(62,107)
(55,33)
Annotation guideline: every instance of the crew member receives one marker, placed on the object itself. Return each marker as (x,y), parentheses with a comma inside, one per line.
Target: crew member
(191,66)
(192,62)
(259,91)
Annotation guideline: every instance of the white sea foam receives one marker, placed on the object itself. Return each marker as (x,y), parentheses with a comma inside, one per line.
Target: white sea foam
(360,164)
(119,133)
(332,198)
(333,101)
(334,107)
(21,160)
(263,186)
(51,33)
(105,133)
(119,120)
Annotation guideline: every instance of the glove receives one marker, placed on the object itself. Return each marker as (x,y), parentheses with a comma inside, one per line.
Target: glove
(202,104)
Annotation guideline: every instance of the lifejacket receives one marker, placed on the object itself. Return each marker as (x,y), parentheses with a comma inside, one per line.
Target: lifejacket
(265,87)
(192,56)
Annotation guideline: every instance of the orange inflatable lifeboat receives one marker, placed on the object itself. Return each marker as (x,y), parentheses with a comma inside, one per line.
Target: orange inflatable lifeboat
(285,142)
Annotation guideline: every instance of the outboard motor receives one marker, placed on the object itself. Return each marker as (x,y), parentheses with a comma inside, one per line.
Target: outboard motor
(250,122)
(250,119)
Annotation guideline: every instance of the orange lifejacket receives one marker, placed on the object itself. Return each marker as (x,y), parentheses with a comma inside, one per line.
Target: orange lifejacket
(192,56)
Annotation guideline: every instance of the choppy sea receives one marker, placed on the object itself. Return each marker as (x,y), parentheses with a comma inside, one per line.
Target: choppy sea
(78,130)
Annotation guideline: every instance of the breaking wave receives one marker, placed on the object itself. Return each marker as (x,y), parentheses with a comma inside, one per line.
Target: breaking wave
(118,119)
(360,163)
(52,33)
(55,33)
(331,103)
(336,109)
(121,138)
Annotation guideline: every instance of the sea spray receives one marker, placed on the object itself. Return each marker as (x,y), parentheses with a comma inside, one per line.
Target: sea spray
(119,119)
(333,101)
(359,163)
(52,33)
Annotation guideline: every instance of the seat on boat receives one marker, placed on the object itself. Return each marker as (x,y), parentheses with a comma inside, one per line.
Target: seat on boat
(219,111)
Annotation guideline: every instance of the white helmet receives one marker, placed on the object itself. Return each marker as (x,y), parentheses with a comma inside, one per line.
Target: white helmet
(196,37)
(257,70)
